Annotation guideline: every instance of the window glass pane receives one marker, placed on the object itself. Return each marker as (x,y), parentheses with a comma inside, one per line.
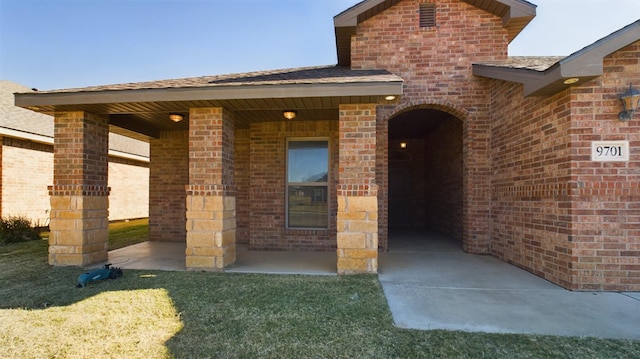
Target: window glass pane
(308,207)
(307,161)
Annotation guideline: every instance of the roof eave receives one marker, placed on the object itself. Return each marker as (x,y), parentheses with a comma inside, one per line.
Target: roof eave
(37,101)
(536,83)
(589,60)
(583,65)
(515,14)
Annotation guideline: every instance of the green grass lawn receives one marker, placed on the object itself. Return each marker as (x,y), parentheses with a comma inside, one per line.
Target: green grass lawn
(155,314)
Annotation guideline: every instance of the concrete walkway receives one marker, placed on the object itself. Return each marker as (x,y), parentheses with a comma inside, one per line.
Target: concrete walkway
(430,283)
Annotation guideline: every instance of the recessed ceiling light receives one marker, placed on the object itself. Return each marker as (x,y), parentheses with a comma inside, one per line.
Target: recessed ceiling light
(390,98)
(571,81)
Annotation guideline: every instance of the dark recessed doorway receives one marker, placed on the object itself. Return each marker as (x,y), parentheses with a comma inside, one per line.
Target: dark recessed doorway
(425,174)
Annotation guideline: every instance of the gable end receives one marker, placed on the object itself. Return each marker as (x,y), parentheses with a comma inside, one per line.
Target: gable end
(515,14)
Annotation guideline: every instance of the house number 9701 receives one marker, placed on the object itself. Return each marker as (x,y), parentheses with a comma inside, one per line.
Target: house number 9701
(610,151)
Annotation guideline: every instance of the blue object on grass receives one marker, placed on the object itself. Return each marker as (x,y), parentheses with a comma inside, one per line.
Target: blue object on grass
(95,275)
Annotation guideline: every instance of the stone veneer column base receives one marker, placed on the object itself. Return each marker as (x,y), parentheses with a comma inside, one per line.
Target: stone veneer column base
(357,234)
(79,230)
(211,232)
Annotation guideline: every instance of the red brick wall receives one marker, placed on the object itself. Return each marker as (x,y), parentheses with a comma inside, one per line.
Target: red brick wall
(168,175)
(436,66)
(434,60)
(80,154)
(357,150)
(79,231)
(555,212)
(530,204)
(357,192)
(211,152)
(243,186)
(443,179)
(606,196)
(382,174)
(267,186)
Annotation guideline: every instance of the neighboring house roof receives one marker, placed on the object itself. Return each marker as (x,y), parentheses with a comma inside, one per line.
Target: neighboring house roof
(515,14)
(21,122)
(144,107)
(28,125)
(543,76)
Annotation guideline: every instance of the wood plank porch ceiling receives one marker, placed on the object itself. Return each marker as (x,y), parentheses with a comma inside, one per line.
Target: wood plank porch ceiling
(141,110)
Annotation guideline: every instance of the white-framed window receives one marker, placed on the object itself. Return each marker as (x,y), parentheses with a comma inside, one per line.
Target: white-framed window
(307,183)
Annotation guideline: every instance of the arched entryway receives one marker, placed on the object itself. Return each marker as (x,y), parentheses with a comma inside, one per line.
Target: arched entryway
(425,176)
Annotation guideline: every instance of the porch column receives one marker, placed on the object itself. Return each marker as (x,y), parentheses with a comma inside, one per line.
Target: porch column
(211,201)
(357,222)
(79,226)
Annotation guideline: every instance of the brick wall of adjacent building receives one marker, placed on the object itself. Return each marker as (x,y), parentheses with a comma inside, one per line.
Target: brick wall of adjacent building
(168,176)
(267,186)
(129,183)
(436,66)
(556,212)
(1,165)
(28,170)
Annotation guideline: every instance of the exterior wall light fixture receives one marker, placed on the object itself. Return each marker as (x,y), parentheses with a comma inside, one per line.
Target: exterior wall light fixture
(289,114)
(175,117)
(630,103)
(403,144)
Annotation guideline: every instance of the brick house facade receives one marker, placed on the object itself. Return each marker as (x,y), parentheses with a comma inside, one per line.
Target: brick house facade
(425,122)
(26,162)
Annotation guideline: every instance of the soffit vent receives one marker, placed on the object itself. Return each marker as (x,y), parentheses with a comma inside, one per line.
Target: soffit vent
(427,15)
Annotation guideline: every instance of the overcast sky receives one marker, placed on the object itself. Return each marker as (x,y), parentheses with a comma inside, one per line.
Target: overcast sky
(51,44)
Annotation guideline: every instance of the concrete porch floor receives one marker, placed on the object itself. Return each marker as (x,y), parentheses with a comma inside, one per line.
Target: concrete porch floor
(171,256)
(430,283)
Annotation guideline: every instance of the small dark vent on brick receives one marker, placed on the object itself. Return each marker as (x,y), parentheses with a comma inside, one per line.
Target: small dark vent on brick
(427,15)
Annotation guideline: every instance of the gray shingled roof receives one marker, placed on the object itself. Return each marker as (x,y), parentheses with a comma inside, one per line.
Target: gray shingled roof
(293,76)
(20,119)
(27,122)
